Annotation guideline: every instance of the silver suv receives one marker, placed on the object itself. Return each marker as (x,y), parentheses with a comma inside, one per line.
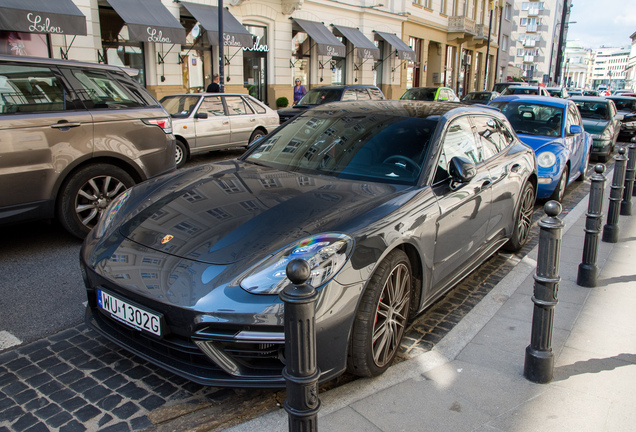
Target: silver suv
(73,136)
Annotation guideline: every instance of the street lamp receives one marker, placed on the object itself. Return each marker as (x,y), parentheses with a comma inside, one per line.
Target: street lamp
(609,84)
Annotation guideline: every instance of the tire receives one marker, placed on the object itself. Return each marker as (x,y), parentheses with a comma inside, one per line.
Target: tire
(258,133)
(559,191)
(86,194)
(382,315)
(523,219)
(181,153)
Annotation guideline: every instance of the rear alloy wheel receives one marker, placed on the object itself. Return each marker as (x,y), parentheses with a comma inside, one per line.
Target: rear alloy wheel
(559,191)
(181,154)
(523,219)
(87,193)
(256,135)
(382,317)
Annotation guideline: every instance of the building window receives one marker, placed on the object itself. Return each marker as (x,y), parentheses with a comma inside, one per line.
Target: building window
(24,44)
(300,56)
(508,12)
(505,43)
(339,67)
(442,7)
(255,63)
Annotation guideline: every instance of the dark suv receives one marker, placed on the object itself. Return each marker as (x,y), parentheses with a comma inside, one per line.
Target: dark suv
(321,95)
(73,137)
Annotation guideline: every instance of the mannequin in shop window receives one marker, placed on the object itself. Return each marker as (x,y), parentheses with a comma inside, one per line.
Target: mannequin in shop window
(214,86)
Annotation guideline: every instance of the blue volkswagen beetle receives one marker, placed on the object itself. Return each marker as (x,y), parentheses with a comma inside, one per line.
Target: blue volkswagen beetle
(554,129)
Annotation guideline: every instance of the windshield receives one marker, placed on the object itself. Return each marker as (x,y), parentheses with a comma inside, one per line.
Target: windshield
(531,118)
(380,147)
(520,90)
(593,110)
(321,96)
(179,106)
(421,93)
(625,104)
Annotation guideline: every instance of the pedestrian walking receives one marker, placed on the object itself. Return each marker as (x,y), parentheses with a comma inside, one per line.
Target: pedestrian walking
(214,86)
(299,91)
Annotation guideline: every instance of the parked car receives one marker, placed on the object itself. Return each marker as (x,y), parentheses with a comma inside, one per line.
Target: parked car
(554,129)
(526,90)
(391,202)
(622,92)
(575,92)
(73,137)
(626,108)
(600,121)
(322,95)
(501,86)
(211,121)
(482,97)
(593,93)
(558,92)
(430,94)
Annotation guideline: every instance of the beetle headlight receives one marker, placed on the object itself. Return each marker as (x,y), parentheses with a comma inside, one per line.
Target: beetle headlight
(325,253)
(546,159)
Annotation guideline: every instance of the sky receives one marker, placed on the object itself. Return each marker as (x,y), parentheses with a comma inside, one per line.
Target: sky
(602,22)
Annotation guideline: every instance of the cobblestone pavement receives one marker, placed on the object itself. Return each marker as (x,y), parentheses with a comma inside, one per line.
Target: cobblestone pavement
(78,381)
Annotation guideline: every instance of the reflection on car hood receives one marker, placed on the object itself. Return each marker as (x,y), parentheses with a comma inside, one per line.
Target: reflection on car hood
(536,141)
(234,210)
(594,126)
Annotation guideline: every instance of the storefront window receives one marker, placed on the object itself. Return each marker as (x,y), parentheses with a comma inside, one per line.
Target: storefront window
(117,49)
(377,65)
(255,63)
(24,44)
(413,71)
(339,67)
(196,63)
(300,57)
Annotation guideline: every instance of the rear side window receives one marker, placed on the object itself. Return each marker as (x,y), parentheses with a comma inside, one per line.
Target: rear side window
(256,105)
(237,106)
(376,94)
(30,89)
(102,90)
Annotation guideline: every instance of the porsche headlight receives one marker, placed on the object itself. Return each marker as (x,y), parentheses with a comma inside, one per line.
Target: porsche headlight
(110,213)
(546,159)
(325,253)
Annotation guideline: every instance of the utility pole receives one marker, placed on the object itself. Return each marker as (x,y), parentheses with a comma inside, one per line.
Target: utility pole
(221,45)
(491,5)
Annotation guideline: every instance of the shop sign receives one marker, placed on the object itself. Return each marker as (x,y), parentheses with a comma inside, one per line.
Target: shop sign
(157,36)
(37,26)
(257,46)
(230,40)
(366,54)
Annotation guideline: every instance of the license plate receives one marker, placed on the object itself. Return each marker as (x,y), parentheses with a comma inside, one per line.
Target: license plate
(129,314)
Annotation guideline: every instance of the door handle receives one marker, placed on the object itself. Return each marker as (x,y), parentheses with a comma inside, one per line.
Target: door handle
(63,124)
(226,122)
(252,119)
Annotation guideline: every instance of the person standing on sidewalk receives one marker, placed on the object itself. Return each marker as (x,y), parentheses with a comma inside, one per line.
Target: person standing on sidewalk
(299,91)
(214,86)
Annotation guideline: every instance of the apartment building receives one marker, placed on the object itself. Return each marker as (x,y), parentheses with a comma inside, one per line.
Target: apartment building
(610,67)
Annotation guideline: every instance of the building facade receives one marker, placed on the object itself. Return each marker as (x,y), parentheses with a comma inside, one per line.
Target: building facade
(266,44)
(610,67)
(576,67)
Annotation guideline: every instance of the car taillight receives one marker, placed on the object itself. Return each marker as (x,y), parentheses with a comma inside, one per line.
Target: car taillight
(163,123)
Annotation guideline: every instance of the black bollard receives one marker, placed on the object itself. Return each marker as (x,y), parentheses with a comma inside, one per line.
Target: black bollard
(610,230)
(588,270)
(539,364)
(626,204)
(301,371)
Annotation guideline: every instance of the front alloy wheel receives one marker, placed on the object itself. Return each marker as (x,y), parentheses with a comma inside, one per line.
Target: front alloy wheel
(523,219)
(382,317)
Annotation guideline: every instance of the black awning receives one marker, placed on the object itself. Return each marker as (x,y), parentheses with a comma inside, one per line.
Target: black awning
(366,48)
(42,16)
(403,50)
(234,34)
(326,42)
(149,21)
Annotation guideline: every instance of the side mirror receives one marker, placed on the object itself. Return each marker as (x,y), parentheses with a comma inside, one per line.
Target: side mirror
(575,129)
(619,117)
(461,169)
(201,115)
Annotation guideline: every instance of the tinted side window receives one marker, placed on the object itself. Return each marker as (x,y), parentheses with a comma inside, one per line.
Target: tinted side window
(458,141)
(237,106)
(376,94)
(101,90)
(27,89)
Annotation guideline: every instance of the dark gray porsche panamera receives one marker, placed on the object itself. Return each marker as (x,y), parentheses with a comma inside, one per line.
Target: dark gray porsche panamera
(390,202)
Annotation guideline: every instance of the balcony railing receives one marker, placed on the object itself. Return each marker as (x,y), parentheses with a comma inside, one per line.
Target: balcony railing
(461,24)
(528,59)
(529,43)
(533,12)
(531,28)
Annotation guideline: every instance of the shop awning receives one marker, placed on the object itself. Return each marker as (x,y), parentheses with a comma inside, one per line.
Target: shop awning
(234,34)
(366,48)
(149,21)
(42,16)
(326,42)
(404,51)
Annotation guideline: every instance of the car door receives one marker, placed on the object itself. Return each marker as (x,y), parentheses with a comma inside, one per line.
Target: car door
(574,142)
(242,120)
(464,208)
(615,124)
(42,132)
(506,172)
(211,123)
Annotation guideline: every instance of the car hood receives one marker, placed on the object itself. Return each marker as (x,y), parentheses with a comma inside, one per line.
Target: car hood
(594,126)
(537,142)
(232,210)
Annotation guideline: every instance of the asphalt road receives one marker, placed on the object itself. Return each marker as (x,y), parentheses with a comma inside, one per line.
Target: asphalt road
(41,289)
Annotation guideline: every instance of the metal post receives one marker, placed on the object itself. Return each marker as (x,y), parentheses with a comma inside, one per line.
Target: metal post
(626,204)
(539,364)
(610,230)
(588,270)
(301,371)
